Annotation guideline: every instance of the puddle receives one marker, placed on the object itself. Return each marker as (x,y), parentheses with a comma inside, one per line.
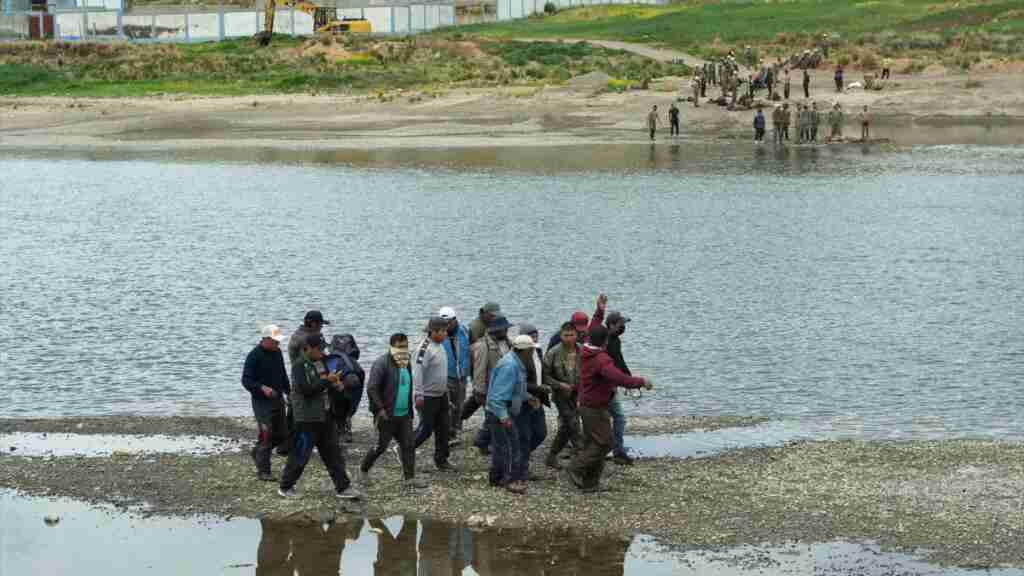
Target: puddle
(62,444)
(708,443)
(84,537)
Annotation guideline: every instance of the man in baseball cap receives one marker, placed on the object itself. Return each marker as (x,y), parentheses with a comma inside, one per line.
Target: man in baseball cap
(616,324)
(264,376)
(313,323)
(489,312)
(582,323)
(456,345)
(506,396)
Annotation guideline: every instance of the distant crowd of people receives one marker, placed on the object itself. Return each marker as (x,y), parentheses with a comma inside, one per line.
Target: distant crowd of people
(725,73)
(449,374)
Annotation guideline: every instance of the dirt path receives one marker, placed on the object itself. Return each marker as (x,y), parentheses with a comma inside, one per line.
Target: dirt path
(659,54)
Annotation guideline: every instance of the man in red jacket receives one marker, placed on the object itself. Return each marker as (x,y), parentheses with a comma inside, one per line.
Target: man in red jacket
(598,379)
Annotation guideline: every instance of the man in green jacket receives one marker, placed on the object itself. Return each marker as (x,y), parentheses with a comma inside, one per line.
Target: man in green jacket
(313,427)
(562,376)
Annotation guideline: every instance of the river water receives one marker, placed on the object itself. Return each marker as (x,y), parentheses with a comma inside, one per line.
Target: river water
(877,293)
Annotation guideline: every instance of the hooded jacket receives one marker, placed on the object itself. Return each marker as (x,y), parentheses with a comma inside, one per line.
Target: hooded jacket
(599,377)
(486,353)
(309,404)
(346,351)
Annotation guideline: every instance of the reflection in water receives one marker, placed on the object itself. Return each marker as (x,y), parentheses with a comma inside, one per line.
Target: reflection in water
(407,546)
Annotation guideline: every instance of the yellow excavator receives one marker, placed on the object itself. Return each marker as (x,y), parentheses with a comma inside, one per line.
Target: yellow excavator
(325,19)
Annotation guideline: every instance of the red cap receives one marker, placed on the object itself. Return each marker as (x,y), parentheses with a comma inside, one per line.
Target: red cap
(580,320)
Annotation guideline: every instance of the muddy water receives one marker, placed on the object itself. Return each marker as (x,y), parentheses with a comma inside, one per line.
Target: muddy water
(100,445)
(44,537)
(877,293)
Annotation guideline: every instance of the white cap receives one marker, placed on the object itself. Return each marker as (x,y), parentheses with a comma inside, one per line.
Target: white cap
(273,332)
(446,312)
(523,342)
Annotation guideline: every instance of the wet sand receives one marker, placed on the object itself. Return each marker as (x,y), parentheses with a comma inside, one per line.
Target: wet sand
(955,502)
(912,110)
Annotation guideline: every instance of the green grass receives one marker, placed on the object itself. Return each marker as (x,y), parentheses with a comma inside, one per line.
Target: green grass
(697,25)
(238,67)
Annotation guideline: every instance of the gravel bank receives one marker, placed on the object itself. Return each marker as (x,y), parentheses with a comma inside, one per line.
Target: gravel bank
(957,502)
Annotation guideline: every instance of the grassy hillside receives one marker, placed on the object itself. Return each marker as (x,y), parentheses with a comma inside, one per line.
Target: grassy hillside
(347,65)
(894,26)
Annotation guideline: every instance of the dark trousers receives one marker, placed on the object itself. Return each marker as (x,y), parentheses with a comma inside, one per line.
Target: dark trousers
(814,133)
(272,428)
(506,452)
(885,73)
(538,427)
(839,84)
(597,441)
(568,426)
(785,91)
(398,428)
(324,437)
(472,404)
(675,127)
(457,398)
(434,420)
(807,90)
(759,134)
(653,130)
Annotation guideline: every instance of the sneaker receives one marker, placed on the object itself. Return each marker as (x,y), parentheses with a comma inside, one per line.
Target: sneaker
(394,450)
(349,493)
(623,459)
(414,484)
(265,477)
(289,493)
(364,477)
(281,451)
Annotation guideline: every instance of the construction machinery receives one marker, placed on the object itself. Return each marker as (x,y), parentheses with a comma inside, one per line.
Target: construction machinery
(325,19)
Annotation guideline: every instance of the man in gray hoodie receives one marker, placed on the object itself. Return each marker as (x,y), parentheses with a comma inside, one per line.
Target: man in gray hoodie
(430,390)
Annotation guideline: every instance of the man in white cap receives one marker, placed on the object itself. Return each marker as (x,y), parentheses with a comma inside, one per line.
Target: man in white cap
(456,345)
(266,379)
(506,395)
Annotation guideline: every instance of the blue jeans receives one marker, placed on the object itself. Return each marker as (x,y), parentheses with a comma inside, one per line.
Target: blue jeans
(506,452)
(618,423)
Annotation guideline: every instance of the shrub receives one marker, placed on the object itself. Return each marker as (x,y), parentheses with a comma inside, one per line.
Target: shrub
(550,8)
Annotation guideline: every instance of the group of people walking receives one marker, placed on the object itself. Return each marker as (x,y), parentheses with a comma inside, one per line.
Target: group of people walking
(450,373)
(807,120)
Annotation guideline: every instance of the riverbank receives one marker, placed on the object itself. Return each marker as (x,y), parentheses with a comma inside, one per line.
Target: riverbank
(955,502)
(913,110)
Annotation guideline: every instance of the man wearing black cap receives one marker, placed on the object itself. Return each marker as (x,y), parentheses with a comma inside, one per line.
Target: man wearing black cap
(313,426)
(616,324)
(313,323)
(430,390)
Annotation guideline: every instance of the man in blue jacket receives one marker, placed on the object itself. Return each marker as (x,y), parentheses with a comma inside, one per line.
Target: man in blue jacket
(506,395)
(456,345)
(266,380)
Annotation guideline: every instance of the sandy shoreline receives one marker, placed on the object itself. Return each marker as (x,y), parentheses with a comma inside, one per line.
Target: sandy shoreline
(958,502)
(514,116)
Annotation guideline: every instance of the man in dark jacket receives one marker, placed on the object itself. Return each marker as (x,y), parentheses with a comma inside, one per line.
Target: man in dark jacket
(344,357)
(391,401)
(598,379)
(616,324)
(313,428)
(265,378)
